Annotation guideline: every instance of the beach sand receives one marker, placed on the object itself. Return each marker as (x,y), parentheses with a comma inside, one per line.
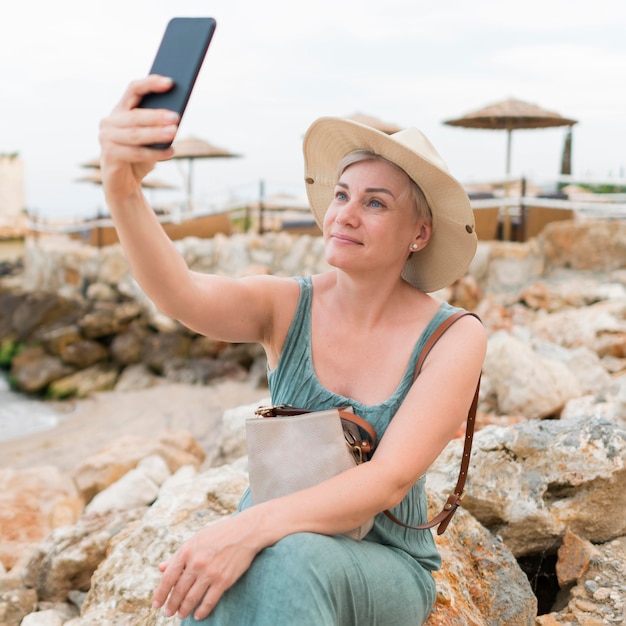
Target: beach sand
(87,425)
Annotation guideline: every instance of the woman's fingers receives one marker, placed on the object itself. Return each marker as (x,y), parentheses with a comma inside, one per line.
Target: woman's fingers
(138,129)
(128,132)
(171,573)
(139,88)
(203,568)
(209,602)
(187,592)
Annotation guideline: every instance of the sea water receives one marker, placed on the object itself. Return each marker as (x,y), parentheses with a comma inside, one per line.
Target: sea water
(20,415)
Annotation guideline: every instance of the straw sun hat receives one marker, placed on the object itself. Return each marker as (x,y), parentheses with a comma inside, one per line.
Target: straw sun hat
(453,240)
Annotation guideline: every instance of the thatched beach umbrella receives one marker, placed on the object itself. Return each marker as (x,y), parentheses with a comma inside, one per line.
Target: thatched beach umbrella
(511,115)
(191,148)
(92,163)
(96,177)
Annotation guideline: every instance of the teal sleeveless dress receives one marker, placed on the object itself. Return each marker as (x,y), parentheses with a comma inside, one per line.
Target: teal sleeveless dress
(308,579)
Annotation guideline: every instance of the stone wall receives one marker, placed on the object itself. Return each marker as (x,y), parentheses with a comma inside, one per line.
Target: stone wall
(71,268)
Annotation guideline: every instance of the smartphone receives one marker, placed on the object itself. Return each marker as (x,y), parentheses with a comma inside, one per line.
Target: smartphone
(180,56)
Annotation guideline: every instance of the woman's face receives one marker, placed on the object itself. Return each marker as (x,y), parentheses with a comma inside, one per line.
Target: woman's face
(371,221)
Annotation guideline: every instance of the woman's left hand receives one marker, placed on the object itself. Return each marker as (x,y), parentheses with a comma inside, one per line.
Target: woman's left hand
(204,567)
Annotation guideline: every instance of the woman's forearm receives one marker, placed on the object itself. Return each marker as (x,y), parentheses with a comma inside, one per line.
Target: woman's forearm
(333,507)
(154,261)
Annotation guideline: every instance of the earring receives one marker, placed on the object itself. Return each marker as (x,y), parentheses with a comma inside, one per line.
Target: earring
(414,247)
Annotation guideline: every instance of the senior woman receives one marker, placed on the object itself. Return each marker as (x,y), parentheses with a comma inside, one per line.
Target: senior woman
(397,227)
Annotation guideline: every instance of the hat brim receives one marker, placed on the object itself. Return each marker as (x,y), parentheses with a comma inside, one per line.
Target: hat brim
(453,240)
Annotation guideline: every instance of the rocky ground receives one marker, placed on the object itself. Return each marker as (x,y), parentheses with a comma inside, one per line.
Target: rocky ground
(89,508)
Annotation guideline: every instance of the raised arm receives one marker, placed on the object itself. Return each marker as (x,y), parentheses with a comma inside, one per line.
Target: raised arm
(223,308)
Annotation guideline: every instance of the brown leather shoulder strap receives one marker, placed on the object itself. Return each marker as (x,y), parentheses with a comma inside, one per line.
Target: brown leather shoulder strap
(455,498)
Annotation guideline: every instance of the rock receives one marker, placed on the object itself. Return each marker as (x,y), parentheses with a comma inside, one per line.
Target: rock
(530,482)
(102,292)
(203,347)
(99,377)
(586,366)
(512,266)
(112,265)
(601,327)
(136,376)
(233,434)
(480,583)
(161,348)
(465,293)
(43,618)
(32,503)
(177,448)
(525,383)
(108,318)
(550,297)
(38,312)
(122,587)
(585,245)
(127,346)
(65,610)
(202,371)
(67,559)
(33,370)
(16,601)
(574,558)
(58,339)
(9,302)
(138,487)
(598,595)
(84,353)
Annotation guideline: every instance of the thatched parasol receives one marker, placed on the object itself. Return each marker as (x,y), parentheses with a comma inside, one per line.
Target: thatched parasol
(96,178)
(92,163)
(191,148)
(511,115)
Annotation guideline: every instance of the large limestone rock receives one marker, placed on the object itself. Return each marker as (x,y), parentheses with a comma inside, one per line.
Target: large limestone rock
(593,578)
(530,482)
(66,560)
(122,587)
(108,318)
(32,503)
(138,487)
(15,601)
(480,583)
(233,443)
(585,244)
(524,382)
(98,377)
(601,327)
(34,369)
(176,447)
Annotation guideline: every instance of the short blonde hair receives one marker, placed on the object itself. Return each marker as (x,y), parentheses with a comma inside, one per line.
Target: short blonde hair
(422,210)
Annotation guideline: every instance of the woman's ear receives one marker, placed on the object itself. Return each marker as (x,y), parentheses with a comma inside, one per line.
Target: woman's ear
(421,238)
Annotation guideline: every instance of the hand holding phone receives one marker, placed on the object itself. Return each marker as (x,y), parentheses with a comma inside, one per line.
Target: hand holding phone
(180,56)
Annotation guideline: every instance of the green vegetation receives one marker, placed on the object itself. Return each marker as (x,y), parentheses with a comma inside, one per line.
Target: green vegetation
(8,350)
(605,188)
(58,393)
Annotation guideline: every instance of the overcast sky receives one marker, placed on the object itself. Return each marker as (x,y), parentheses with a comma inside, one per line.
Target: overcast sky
(275,66)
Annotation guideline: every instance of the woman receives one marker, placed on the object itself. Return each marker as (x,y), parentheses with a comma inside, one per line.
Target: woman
(395,229)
